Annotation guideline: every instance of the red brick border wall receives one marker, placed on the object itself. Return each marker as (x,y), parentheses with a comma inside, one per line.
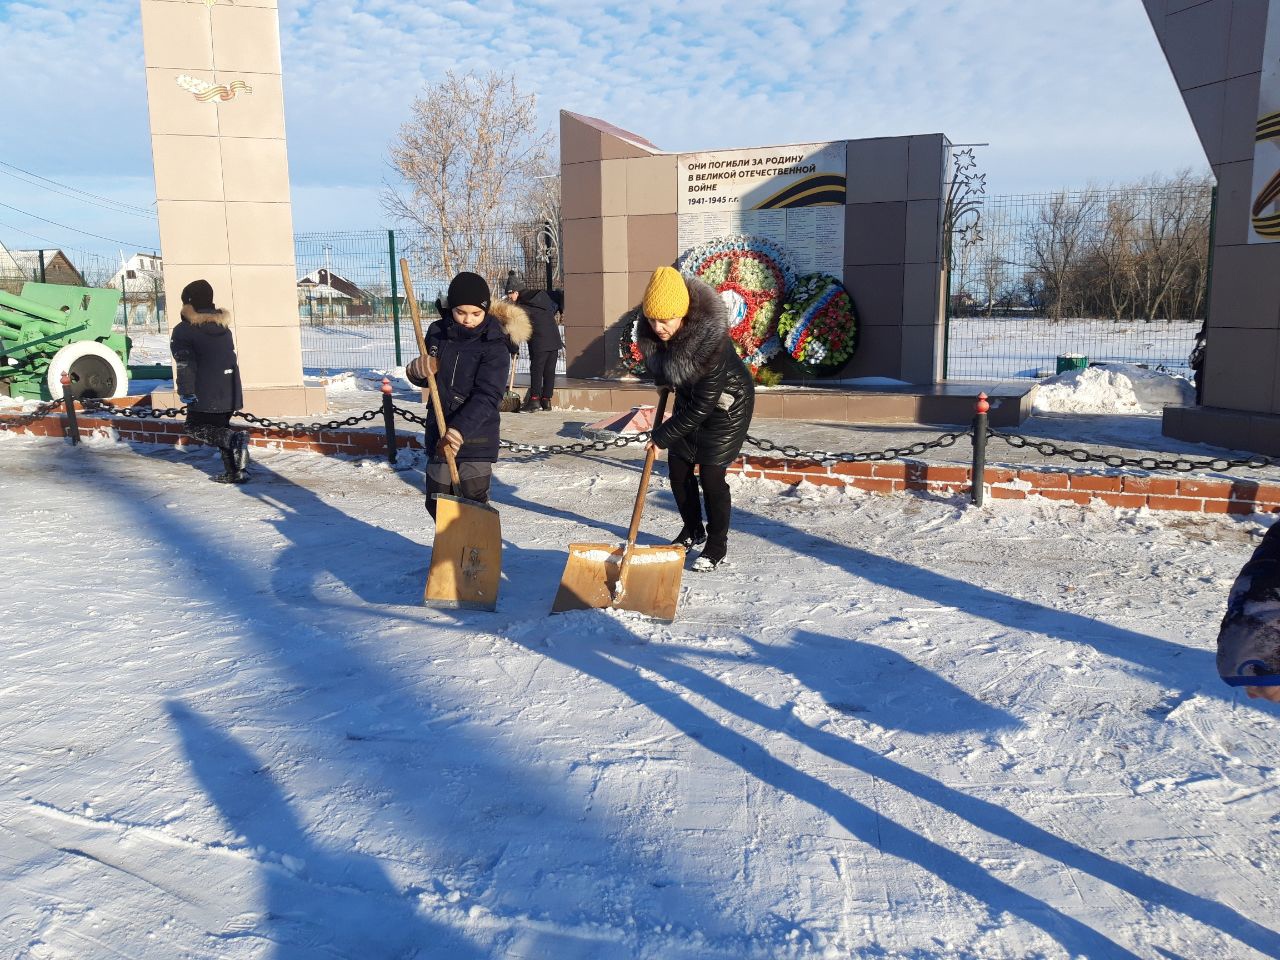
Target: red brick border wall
(945,480)
(1007,483)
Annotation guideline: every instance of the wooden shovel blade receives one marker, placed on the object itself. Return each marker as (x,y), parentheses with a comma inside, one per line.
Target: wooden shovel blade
(590,580)
(651,582)
(590,576)
(466,556)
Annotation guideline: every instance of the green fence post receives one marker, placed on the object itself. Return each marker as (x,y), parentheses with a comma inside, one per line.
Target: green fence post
(395,297)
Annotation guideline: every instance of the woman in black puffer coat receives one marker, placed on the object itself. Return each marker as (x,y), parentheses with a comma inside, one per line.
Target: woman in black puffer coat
(207,378)
(684,338)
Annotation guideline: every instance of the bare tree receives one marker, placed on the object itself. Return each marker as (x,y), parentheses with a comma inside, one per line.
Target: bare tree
(1173,235)
(1057,240)
(1115,261)
(469,153)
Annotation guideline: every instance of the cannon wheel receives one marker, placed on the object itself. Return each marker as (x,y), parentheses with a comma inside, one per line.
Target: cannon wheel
(96,371)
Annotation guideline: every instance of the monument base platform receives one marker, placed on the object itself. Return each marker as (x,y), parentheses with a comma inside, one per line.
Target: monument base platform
(1231,429)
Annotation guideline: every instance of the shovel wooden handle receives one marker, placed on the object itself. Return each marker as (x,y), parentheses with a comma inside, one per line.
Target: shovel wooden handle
(638,510)
(431,377)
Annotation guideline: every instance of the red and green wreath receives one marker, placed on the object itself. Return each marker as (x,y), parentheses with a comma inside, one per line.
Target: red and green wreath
(818,326)
(752,275)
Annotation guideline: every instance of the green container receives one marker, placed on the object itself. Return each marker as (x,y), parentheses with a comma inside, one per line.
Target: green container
(1072,361)
(147,371)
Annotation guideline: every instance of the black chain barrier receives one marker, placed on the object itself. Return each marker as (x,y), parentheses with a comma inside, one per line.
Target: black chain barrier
(26,419)
(827,456)
(296,428)
(787,450)
(1150,464)
(92,405)
(1045,448)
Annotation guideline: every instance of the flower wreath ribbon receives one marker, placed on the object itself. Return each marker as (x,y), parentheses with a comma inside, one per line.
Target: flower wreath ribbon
(1267,225)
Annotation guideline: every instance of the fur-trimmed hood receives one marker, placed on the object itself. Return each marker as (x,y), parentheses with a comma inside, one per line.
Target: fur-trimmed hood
(696,348)
(196,317)
(515,322)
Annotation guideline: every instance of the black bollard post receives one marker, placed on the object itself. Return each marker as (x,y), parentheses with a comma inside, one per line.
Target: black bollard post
(979,450)
(389,420)
(69,405)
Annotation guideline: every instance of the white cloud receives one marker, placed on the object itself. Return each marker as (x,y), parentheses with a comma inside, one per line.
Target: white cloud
(1066,91)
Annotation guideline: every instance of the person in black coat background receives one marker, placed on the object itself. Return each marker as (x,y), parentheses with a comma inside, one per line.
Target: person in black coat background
(684,339)
(544,343)
(207,378)
(467,349)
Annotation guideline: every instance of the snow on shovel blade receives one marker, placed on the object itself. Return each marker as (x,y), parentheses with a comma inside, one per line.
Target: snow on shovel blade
(591,580)
(466,555)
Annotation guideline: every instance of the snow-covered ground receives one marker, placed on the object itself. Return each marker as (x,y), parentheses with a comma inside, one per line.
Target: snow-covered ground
(896,727)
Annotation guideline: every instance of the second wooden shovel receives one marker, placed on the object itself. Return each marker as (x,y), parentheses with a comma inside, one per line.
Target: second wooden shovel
(627,577)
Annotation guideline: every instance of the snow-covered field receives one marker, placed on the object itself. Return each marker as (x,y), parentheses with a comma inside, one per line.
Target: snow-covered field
(897,727)
(1029,347)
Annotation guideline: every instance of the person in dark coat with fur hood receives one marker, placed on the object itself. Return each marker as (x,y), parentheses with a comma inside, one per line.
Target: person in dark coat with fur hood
(684,339)
(468,350)
(207,378)
(544,343)
(1249,639)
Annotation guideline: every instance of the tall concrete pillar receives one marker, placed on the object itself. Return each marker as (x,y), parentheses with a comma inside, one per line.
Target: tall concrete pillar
(216,102)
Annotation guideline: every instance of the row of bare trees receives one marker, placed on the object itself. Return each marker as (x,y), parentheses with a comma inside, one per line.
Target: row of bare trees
(1136,252)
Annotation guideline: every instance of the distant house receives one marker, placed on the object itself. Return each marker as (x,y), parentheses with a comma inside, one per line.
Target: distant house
(142,281)
(141,273)
(325,295)
(57,268)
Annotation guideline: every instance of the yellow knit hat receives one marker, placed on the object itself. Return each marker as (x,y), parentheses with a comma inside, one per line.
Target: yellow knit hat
(667,296)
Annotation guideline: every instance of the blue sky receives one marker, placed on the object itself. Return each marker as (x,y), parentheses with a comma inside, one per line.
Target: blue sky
(1067,92)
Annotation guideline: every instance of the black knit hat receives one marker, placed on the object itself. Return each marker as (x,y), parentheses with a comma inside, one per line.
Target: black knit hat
(469,290)
(199,294)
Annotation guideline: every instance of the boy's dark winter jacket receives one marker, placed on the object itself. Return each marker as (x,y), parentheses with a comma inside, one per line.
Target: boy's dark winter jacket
(542,314)
(714,391)
(204,354)
(1249,639)
(472,380)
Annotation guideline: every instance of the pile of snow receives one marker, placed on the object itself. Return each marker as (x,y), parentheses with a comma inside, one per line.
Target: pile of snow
(1112,388)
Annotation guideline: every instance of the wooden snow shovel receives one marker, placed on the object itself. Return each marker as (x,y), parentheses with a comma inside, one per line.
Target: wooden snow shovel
(511,401)
(466,555)
(643,579)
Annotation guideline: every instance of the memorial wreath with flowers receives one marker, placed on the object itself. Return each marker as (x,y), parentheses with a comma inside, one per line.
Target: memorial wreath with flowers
(818,327)
(629,351)
(752,275)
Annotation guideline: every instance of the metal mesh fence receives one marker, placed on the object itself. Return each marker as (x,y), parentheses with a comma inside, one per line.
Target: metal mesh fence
(351,303)
(1060,280)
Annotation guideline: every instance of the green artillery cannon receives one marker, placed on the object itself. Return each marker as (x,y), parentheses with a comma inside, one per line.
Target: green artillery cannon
(50,329)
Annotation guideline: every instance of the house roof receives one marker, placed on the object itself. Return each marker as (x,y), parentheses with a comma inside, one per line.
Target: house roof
(144,280)
(7,263)
(30,259)
(340,285)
